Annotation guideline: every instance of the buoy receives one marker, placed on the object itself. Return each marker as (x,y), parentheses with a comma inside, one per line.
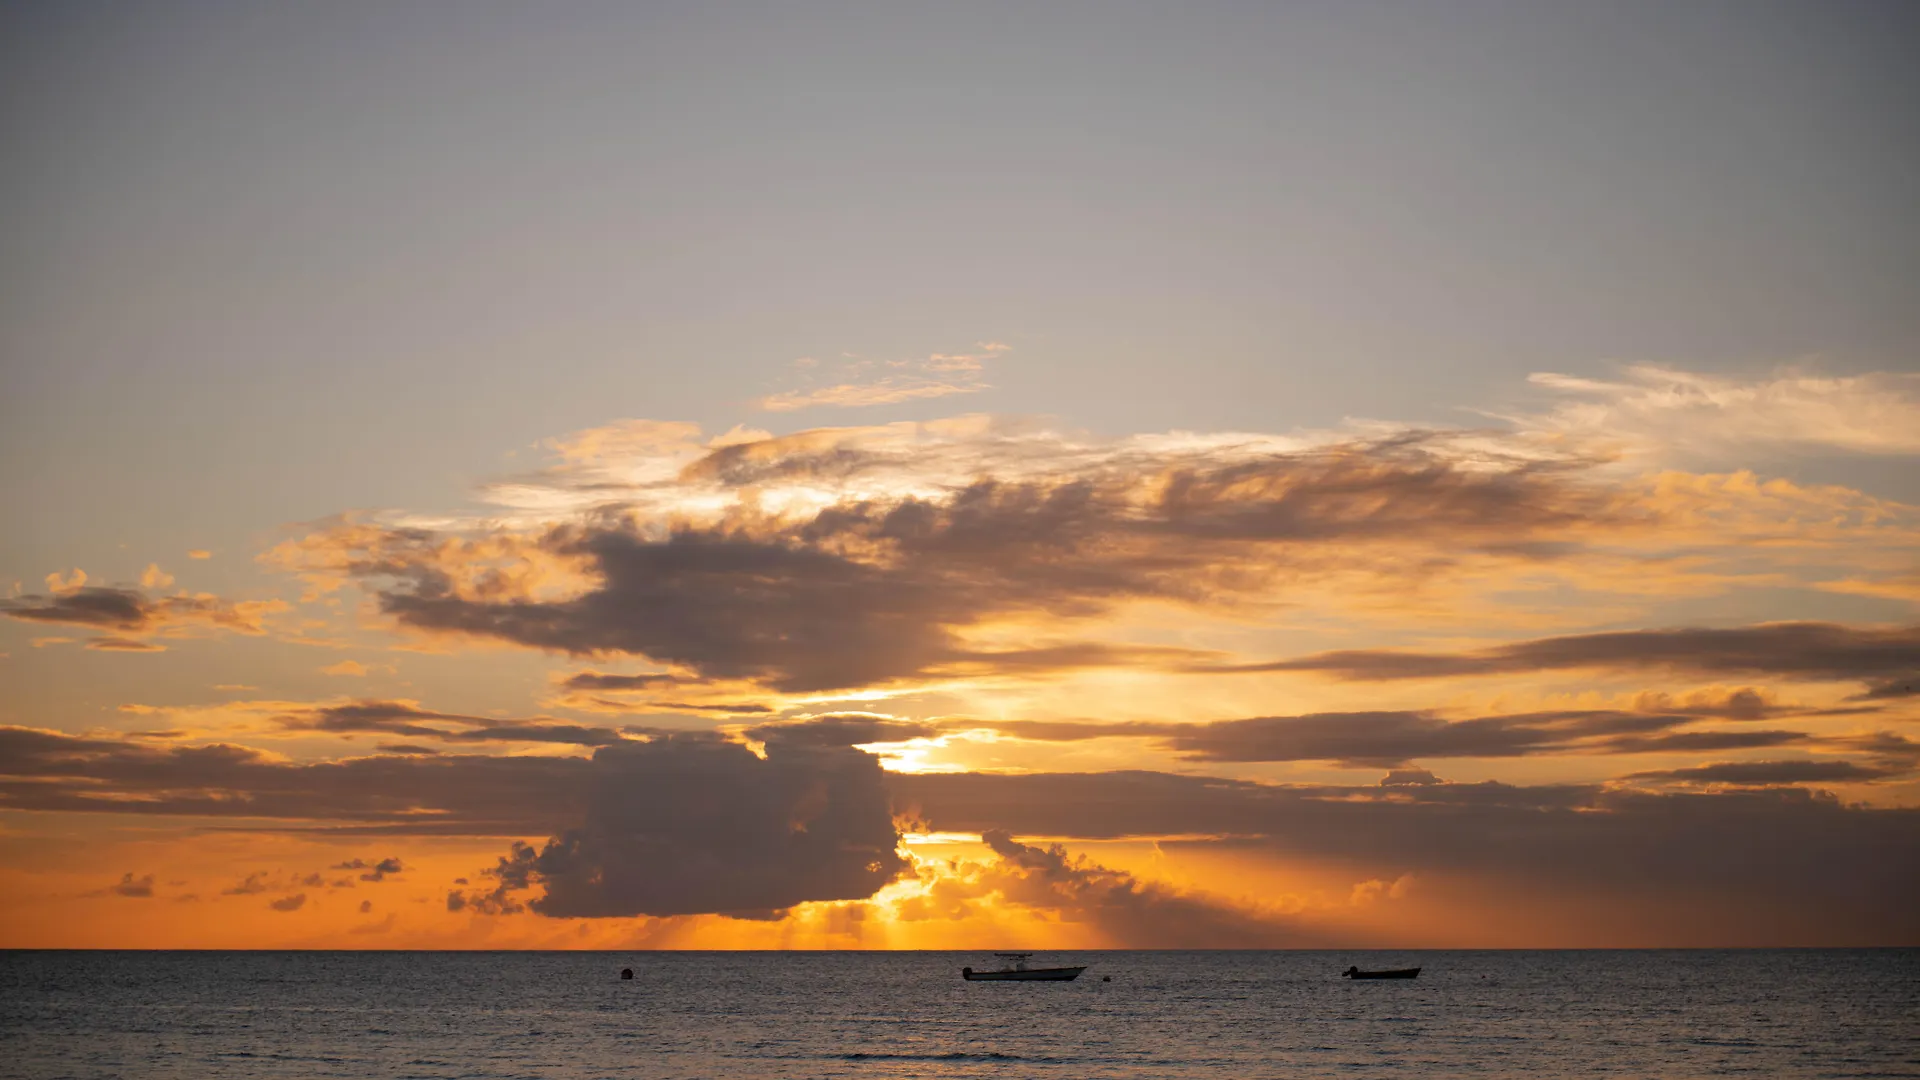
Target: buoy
(626,973)
(1106,978)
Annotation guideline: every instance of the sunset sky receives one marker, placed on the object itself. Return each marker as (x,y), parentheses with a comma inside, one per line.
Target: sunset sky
(864,476)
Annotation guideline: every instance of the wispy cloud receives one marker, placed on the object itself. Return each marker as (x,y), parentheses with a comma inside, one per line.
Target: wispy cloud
(861,383)
(1664,412)
(1807,650)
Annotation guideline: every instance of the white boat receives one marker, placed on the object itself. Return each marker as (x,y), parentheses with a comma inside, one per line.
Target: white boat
(1018,971)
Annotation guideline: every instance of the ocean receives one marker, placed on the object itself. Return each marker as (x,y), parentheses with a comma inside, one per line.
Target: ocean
(1679,1013)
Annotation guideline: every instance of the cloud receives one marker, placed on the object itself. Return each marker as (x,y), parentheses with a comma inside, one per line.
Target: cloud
(155,578)
(407,719)
(375,871)
(132,611)
(594,680)
(120,644)
(1385,739)
(1776,865)
(345,667)
(1393,738)
(123,609)
(938,375)
(885,391)
(841,729)
(441,795)
(1372,892)
(132,886)
(863,593)
(582,690)
(1807,650)
(199,553)
(1657,410)
(694,825)
(1124,907)
(288,903)
(1905,687)
(255,882)
(1768,773)
(698,824)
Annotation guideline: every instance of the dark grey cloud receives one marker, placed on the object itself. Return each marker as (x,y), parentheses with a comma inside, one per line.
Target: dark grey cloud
(1393,738)
(1125,804)
(1125,907)
(1808,650)
(871,592)
(404,719)
(1903,687)
(694,825)
(107,609)
(288,903)
(1768,773)
(255,882)
(798,618)
(1773,866)
(120,644)
(1702,741)
(373,871)
(442,795)
(1385,739)
(842,729)
(595,680)
(131,886)
(128,611)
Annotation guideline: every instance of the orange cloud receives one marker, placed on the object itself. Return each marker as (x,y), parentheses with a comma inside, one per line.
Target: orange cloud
(938,375)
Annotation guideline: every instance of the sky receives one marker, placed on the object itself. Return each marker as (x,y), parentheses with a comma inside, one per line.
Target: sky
(862,476)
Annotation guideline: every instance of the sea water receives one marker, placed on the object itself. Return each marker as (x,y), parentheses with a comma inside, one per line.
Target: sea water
(1787,1013)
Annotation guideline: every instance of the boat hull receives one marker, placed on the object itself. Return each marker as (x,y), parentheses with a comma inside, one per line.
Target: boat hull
(1403,973)
(1065,974)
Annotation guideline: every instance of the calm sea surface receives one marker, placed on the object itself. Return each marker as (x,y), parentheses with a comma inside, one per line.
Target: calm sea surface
(763,1015)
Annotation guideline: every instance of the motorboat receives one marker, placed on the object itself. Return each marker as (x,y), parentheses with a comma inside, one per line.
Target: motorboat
(1018,971)
(1396,973)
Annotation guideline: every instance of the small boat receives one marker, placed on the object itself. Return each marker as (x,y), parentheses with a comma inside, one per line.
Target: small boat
(1397,973)
(1018,971)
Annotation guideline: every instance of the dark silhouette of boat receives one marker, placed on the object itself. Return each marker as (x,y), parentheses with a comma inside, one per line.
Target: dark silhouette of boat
(1396,973)
(1018,971)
